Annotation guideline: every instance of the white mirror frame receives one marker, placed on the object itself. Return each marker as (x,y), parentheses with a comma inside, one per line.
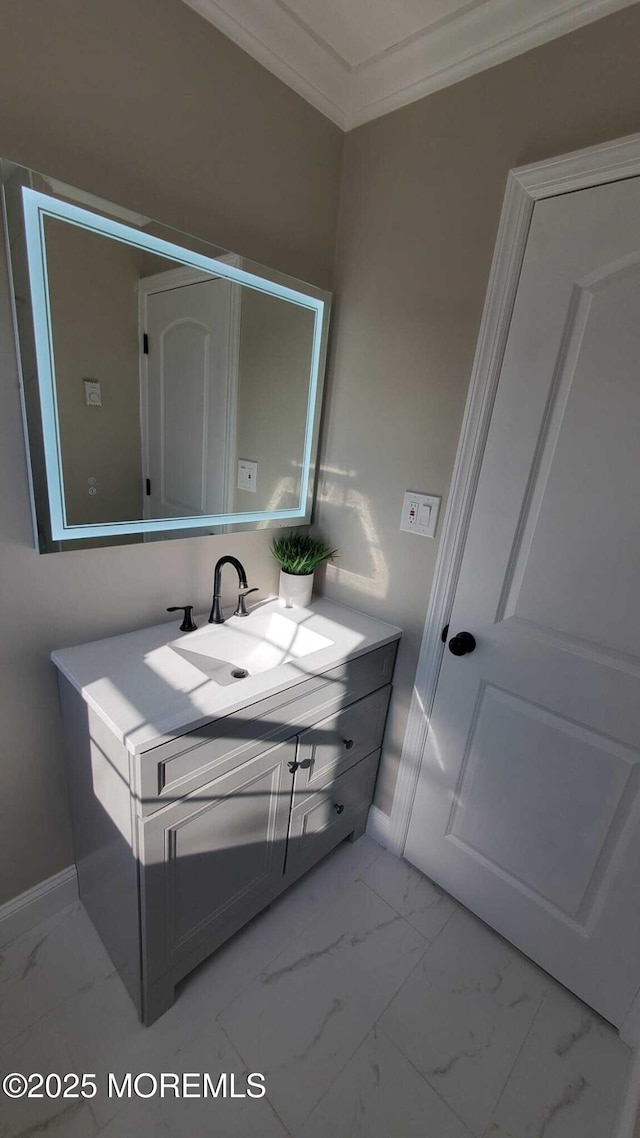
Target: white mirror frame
(37,207)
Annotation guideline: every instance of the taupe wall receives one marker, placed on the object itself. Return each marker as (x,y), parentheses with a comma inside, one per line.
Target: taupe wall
(94,319)
(146,104)
(421,196)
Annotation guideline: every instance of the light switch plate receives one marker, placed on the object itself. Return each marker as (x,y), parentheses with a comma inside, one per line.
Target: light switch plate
(247,475)
(420,513)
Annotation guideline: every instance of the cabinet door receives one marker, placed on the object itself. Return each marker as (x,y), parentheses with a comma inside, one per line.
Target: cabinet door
(214,859)
(322,820)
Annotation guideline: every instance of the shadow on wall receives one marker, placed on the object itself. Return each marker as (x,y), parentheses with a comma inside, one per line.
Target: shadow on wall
(286,495)
(335,490)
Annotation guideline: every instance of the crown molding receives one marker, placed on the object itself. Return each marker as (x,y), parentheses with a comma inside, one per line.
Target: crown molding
(266,32)
(476,39)
(473,42)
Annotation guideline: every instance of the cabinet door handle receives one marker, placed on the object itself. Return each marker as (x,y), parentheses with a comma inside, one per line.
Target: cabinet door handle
(348,743)
(339,807)
(293,766)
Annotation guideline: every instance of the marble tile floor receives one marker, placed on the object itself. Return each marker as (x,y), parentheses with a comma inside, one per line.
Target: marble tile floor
(373,1004)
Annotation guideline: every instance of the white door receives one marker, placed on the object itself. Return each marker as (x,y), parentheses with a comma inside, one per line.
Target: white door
(188,419)
(528,800)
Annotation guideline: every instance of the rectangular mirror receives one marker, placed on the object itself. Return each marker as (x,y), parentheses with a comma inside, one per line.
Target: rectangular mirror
(169,387)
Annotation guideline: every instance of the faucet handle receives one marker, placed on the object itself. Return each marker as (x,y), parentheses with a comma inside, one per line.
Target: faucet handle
(188,623)
(241,610)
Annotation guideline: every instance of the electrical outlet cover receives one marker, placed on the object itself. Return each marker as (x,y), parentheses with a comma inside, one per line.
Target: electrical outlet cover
(247,475)
(420,513)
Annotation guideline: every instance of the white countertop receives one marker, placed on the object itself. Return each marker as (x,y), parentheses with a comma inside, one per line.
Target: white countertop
(145,691)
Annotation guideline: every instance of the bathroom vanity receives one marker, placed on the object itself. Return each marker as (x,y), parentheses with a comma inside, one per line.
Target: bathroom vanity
(200,792)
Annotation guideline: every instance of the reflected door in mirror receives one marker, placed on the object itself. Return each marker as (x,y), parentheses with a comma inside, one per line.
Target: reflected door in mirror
(189,399)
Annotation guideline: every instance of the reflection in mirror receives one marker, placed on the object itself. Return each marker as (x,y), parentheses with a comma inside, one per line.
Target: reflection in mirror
(169,387)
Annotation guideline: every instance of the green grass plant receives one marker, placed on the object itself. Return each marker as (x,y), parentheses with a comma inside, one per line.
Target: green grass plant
(300,553)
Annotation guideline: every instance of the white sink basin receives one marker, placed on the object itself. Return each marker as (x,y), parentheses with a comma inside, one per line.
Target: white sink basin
(246,646)
(157,683)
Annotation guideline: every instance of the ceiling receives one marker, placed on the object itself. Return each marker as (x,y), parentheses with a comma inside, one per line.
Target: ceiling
(358,59)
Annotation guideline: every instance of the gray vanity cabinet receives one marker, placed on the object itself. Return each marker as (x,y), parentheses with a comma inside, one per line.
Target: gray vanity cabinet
(179,845)
(214,858)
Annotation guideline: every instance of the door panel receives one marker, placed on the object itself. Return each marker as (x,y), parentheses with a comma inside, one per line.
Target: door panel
(528,801)
(588,479)
(502,814)
(184,408)
(188,416)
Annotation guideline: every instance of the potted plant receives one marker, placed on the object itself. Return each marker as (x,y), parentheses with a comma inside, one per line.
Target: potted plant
(298,555)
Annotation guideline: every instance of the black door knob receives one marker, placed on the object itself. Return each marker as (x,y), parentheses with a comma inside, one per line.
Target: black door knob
(462,644)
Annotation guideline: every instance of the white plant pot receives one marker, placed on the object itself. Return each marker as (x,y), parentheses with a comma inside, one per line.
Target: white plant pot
(295,590)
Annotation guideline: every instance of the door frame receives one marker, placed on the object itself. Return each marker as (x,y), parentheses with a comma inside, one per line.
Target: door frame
(526,185)
(164,282)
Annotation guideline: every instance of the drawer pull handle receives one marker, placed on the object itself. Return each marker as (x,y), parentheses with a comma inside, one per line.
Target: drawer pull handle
(348,743)
(339,807)
(293,766)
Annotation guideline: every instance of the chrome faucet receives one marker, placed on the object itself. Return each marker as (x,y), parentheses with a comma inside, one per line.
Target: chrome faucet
(215,616)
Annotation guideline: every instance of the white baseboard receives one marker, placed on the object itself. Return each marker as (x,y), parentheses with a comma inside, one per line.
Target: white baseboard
(379,827)
(44,900)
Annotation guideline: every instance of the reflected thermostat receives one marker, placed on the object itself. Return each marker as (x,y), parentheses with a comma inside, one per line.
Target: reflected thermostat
(420,513)
(92,393)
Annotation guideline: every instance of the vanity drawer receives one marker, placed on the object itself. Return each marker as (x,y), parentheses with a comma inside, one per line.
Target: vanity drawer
(177,767)
(322,820)
(338,742)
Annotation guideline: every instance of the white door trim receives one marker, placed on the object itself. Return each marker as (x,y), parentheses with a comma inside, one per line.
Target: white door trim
(526,185)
